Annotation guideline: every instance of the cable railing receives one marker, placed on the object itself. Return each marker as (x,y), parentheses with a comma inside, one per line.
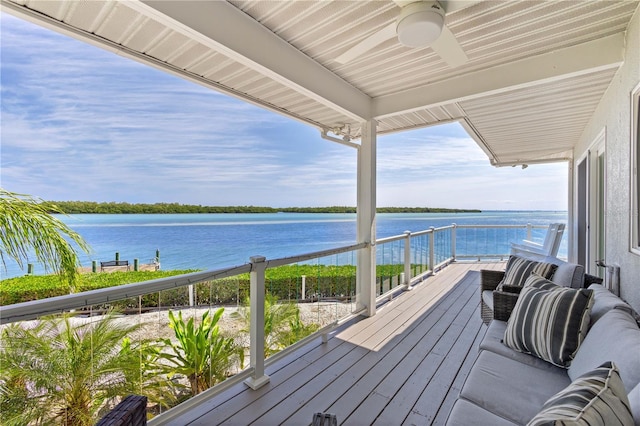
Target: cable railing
(175,340)
(243,317)
(478,242)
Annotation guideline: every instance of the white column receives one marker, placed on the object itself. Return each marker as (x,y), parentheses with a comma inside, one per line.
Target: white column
(256,332)
(366,220)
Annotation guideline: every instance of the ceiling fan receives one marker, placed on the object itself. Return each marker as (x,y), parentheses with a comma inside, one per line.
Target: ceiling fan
(419,24)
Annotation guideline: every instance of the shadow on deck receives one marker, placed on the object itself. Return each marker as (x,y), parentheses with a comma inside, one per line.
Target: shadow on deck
(405,365)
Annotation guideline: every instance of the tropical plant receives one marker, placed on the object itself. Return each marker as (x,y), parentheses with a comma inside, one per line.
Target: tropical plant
(297,330)
(282,324)
(55,372)
(201,352)
(26,226)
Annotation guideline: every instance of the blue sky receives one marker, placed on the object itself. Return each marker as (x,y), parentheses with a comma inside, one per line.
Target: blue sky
(80,123)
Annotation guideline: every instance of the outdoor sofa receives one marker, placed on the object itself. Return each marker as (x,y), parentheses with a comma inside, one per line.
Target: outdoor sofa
(563,356)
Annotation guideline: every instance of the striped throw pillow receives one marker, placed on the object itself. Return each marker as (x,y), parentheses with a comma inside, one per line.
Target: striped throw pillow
(549,324)
(519,269)
(537,281)
(595,398)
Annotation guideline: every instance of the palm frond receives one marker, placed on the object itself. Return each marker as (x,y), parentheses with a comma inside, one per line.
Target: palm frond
(27,226)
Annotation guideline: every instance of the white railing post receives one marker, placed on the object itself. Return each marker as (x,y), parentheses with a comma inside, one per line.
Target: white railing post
(304,286)
(529,231)
(453,241)
(256,332)
(407,259)
(432,243)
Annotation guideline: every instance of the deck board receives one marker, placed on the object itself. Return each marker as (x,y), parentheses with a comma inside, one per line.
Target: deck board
(437,370)
(405,365)
(409,368)
(456,386)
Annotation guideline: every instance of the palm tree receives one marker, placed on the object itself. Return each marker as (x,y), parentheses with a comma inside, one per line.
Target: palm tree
(55,372)
(26,226)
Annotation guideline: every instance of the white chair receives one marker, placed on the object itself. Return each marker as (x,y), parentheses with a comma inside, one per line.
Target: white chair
(549,247)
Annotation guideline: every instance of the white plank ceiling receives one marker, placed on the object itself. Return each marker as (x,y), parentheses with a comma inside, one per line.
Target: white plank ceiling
(536,69)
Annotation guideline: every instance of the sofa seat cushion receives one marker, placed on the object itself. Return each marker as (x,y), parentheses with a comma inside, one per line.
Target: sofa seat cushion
(495,382)
(492,342)
(614,337)
(604,301)
(596,398)
(519,269)
(465,413)
(549,324)
(487,298)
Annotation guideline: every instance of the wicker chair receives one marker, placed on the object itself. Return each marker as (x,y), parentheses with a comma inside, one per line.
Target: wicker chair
(489,280)
(503,301)
(132,411)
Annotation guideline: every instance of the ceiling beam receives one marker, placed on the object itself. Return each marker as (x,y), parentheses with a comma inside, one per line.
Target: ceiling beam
(592,56)
(222,26)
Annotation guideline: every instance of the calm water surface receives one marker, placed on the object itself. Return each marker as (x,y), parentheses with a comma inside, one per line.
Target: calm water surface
(206,241)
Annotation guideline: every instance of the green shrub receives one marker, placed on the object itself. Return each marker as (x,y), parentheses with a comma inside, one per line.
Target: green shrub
(284,282)
(34,287)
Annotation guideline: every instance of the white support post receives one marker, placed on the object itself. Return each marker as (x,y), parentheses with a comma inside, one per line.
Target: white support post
(571,229)
(407,259)
(432,243)
(256,334)
(366,220)
(529,227)
(453,242)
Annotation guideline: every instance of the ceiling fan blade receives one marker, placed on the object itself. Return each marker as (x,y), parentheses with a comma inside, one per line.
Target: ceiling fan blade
(403,3)
(451,6)
(368,43)
(449,49)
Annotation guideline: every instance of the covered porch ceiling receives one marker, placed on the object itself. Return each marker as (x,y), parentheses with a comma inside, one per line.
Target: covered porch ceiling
(535,73)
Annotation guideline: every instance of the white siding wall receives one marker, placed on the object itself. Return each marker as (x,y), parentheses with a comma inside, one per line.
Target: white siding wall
(613,114)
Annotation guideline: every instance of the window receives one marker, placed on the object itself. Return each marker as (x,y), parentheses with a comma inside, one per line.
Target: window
(635,163)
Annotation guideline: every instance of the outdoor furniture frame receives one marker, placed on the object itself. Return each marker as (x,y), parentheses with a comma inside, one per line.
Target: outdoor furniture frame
(549,247)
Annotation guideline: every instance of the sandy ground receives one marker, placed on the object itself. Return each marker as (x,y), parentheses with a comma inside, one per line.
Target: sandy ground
(155,325)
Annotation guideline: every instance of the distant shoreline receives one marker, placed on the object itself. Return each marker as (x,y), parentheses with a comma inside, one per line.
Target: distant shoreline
(91,207)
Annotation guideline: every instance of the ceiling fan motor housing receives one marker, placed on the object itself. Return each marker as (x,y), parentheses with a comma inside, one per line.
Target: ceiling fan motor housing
(420,24)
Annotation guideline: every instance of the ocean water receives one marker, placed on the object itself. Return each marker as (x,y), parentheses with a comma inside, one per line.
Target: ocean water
(209,241)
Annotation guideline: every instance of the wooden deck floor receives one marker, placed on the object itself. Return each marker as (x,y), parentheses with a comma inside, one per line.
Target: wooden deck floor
(405,365)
